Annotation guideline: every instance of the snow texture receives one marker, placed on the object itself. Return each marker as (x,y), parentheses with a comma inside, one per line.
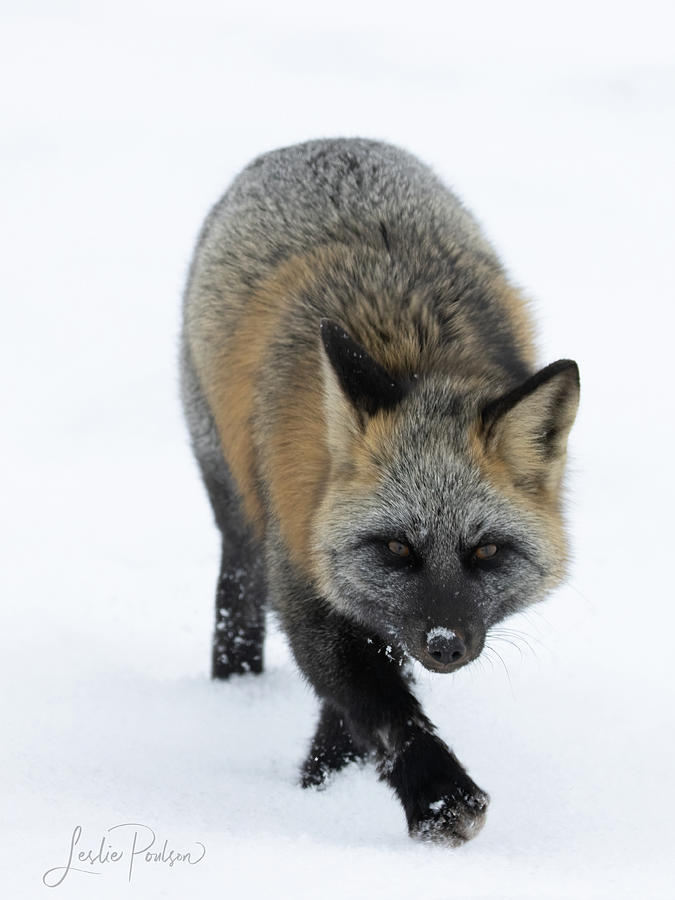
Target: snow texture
(441,632)
(122,123)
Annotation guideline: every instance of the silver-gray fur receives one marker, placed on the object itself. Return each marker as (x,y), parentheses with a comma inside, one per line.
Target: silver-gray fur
(441,368)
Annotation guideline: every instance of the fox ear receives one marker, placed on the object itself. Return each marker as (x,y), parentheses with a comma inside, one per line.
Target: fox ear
(364,383)
(528,427)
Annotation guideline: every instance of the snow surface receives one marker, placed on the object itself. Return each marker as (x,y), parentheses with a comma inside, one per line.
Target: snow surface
(122,123)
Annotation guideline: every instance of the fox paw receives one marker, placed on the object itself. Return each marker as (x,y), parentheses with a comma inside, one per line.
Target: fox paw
(453,819)
(317,770)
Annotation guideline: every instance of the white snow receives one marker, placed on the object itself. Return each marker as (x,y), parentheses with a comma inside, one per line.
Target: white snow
(122,123)
(440,631)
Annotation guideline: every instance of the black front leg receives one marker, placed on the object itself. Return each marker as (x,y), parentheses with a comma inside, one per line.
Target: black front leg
(362,679)
(441,802)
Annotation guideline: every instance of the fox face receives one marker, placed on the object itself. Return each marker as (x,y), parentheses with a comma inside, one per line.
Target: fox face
(442,512)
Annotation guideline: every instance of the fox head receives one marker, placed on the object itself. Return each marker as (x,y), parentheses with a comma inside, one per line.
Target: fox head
(442,513)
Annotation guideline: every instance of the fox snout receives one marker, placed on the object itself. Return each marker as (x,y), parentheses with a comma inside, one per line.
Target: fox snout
(445,649)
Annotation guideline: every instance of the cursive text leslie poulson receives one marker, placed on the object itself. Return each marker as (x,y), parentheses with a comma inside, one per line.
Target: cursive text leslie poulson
(139,845)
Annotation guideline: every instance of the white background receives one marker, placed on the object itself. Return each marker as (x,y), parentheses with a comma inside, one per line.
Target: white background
(121,123)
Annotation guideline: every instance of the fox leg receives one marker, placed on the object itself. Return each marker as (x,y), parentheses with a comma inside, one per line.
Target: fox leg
(239,631)
(332,748)
(362,678)
(240,593)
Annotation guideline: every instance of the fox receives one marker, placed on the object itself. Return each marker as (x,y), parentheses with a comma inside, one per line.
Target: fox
(383,457)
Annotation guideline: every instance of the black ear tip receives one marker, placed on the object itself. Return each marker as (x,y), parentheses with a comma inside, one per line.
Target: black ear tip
(364,381)
(568,365)
(565,370)
(325,331)
(329,327)
(331,332)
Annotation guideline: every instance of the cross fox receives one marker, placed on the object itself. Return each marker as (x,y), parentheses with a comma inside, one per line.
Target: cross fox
(383,459)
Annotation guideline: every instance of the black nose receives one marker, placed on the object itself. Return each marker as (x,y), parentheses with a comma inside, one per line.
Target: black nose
(445,646)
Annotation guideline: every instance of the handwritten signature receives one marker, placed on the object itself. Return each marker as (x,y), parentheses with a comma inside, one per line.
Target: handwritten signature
(136,843)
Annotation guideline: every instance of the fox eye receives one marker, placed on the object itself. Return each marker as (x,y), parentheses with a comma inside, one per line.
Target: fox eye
(399,549)
(487,551)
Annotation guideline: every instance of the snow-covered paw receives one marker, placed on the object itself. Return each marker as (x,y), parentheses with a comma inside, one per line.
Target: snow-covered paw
(316,773)
(453,819)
